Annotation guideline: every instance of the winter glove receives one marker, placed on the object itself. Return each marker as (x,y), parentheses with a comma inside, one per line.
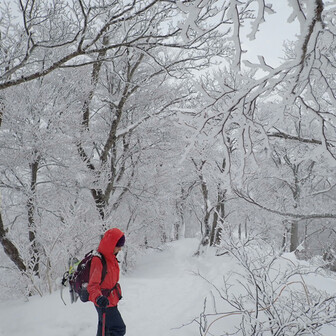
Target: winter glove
(102,301)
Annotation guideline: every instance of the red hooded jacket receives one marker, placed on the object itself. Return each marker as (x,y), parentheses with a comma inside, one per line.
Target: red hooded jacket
(106,247)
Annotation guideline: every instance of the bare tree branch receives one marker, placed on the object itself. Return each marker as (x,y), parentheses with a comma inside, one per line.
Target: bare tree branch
(250,200)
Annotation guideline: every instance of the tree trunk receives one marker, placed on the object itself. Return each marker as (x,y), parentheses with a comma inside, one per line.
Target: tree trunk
(34,253)
(218,219)
(294,235)
(10,249)
(296,190)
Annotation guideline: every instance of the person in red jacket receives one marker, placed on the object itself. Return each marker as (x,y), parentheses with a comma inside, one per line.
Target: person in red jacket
(107,294)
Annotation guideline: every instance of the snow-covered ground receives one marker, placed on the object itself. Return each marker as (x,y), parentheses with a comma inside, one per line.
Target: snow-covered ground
(162,296)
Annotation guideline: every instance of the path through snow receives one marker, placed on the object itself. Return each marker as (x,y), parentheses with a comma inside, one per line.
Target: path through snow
(163,293)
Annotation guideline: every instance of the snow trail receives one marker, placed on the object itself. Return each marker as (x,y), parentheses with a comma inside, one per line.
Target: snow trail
(157,297)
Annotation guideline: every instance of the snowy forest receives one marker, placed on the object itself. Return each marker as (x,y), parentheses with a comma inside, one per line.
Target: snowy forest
(168,119)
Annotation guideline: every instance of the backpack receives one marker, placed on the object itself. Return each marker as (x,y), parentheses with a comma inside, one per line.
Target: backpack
(79,274)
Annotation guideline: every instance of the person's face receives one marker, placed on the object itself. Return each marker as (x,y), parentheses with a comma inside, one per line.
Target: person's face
(116,250)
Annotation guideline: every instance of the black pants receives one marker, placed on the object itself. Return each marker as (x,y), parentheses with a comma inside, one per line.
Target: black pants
(114,324)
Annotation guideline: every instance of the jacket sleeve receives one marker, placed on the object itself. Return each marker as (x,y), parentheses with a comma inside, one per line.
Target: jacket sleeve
(93,287)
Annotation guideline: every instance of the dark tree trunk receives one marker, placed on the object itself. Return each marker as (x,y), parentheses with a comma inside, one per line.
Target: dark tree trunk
(10,249)
(34,252)
(218,218)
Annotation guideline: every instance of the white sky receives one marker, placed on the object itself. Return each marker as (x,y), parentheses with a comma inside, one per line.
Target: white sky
(273,32)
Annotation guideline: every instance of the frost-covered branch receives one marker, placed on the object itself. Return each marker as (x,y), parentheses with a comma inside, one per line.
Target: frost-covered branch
(252,201)
(274,298)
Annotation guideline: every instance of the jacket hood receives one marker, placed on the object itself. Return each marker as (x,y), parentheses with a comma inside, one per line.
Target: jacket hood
(109,241)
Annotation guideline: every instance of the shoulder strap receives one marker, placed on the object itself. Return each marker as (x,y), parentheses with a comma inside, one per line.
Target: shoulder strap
(103,261)
(104,271)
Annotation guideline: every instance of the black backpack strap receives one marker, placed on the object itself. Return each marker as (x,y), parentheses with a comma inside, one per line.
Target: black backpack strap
(104,271)
(103,261)
(107,292)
